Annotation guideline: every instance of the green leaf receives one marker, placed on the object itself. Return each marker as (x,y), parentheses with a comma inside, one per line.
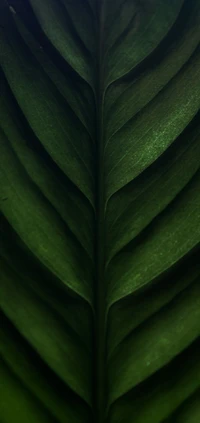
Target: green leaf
(163,393)
(100,211)
(53,19)
(145,28)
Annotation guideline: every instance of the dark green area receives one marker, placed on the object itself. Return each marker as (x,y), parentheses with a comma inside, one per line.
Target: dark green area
(100,211)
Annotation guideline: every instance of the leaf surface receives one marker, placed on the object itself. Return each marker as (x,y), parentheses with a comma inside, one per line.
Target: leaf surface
(100,211)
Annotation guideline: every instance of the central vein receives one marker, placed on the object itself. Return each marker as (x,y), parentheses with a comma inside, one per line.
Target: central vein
(100,289)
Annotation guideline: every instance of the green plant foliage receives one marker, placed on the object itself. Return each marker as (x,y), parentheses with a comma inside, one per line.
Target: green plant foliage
(100,211)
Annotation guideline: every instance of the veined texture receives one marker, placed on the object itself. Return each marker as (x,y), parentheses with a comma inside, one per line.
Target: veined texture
(100,211)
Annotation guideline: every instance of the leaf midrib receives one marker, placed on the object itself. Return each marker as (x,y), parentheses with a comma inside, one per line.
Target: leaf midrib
(100,291)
